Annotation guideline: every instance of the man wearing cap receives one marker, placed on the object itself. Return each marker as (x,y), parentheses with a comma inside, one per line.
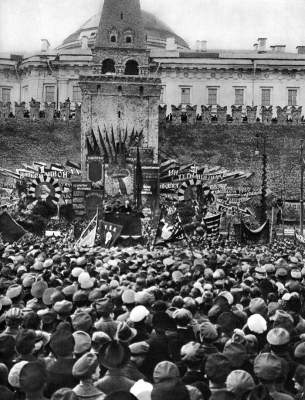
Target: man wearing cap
(60,368)
(138,353)
(114,356)
(106,323)
(268,369)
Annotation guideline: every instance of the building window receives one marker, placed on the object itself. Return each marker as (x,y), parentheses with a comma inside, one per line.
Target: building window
(132,68)
(292,97)
(6,95)
(25,93)
(239,96)
(212,96)
(77,94)
(266,97)
(185,95)
(128,39)
(162,96)
(49,94)
(113,38)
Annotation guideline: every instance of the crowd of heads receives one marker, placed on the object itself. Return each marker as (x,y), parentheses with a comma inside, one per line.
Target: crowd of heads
(223,321)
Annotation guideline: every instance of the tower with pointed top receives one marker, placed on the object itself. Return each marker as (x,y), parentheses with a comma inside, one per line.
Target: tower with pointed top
(120,98)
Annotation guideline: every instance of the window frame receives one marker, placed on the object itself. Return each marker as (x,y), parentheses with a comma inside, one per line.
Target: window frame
(78,100)
(45,88)
(242,89)
(216,88)
(6,88)
(296,89)
(262,88)
(181,95)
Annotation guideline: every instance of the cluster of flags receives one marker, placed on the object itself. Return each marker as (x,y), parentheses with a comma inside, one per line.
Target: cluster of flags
(108,232)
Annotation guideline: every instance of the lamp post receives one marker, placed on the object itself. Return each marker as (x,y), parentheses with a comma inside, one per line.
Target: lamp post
(263,213)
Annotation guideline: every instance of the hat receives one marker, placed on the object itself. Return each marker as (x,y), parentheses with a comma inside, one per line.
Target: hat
(46,297)
(69,290)
(257,324)
(267,367)
(142,390)
(63,307)
(37,266)
(104,306)
(192,352)
(281,272)
(38,289)
(207,331)
(236,353)
(139,348)
(128,296)
(28,280)
(47,316)
(62,341)
(64,394)
(81,321)
(138,313)
(278,337)
(14,314)
(14,374)
(33,377)
(165,370)
(177,276)
(14,291)
(125,333)
(82,342)
(258,306)
(48,263)
(144,298)
(114,354)
(182,316)
(99,339)
(299,351)
(85,366)
(239,382)
(95,294)
(217,368)
(76,272)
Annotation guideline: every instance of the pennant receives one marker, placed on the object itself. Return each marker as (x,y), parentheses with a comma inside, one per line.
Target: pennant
(87,238)
(73,165)
(260,235)
(168,232)
(212,223)
(111,233)
(57,167)
(299,238)
(139,180)
(10,230)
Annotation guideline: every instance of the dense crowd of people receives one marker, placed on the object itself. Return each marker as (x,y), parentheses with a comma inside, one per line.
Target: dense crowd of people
(220,322)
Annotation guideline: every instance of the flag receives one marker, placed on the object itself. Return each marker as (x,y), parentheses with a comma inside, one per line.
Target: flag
(212,223)
(111,233)
(10,230)
(168,232)
(73,165)
(139,180)
(299,238)
(87,238)
(259,236)
(57,167)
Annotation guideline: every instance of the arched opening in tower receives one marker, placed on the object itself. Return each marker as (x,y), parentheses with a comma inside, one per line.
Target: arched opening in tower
(132,68)
(108,66)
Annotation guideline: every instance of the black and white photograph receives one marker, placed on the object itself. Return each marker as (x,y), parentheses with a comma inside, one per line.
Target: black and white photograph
(152,160)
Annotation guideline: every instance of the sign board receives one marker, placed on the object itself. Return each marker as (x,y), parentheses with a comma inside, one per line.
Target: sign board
(150,190)
(82,186)
(146,155)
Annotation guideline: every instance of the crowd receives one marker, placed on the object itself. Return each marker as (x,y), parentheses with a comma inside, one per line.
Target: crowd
(220,322)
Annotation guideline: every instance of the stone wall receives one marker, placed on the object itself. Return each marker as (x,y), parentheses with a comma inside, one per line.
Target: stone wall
(235,147)
(26,141)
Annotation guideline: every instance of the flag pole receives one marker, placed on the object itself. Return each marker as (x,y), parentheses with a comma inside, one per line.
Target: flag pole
(185,236)
(302,188)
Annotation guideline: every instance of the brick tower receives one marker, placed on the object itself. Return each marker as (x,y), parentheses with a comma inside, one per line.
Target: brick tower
(120,99)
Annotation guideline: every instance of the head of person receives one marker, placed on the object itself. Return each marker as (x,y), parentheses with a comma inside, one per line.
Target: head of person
(86,367)
(138,352)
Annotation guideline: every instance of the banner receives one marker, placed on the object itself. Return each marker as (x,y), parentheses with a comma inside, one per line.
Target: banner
(212,223)
(110,233)
(87,238)
(10,230)
(131,223)
(299,238)
(257,236)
